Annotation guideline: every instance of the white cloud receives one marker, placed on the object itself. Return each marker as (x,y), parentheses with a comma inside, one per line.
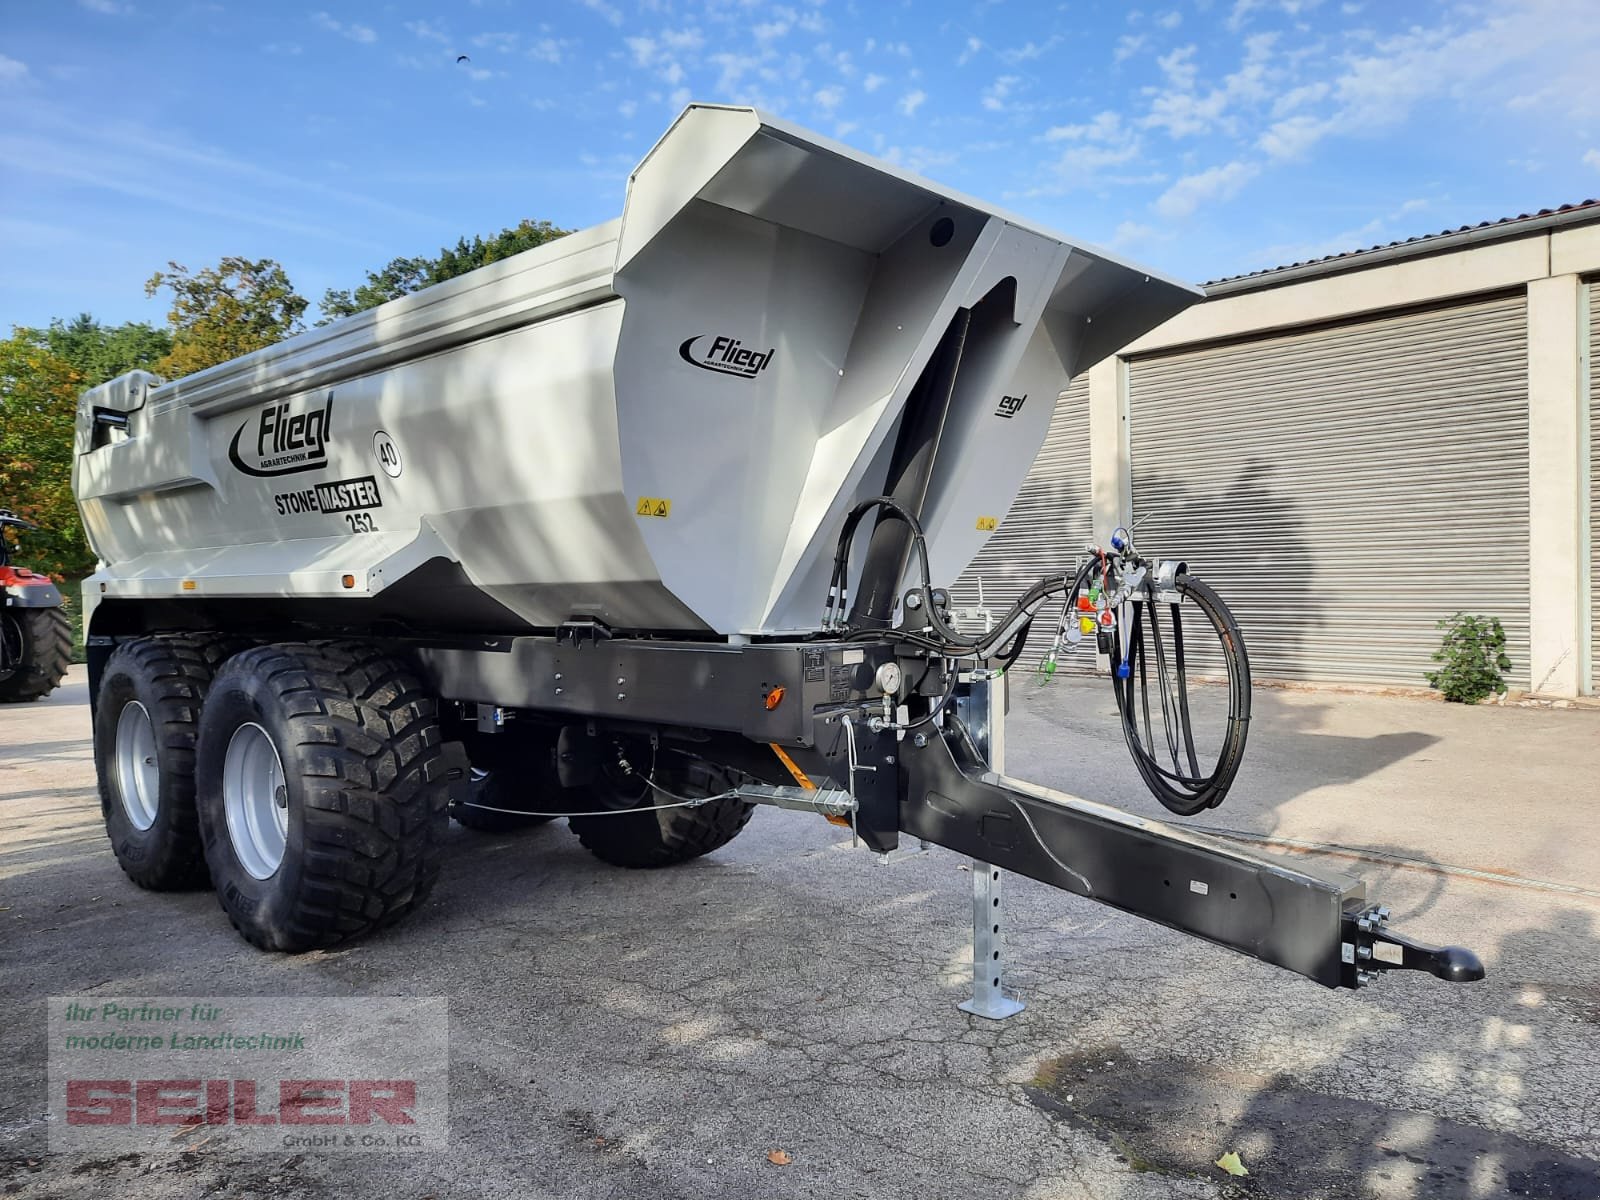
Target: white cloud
(606,11)
(1526,54)
(1293,137)
(1214,185)
(1105,127)
(546,50)
(1591,158)
(1182,111)
(973,46)
(1170,20)
(430,33)
(1242,9)
(918,158)
(505,43)
(1299,97)
(627,108)
(994,96)
(872,83)
(1104,141)
(682,41)
(828,98)
(1030,50)
(842,62)
(1084,165)
(911,101)
(1179,67)
(108,7)
(1127,46)
(644,50)
(1131,233)
(12,70)
(356,33)
(734,67)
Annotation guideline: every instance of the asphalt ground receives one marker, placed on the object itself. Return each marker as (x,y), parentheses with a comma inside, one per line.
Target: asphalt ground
(618,1034)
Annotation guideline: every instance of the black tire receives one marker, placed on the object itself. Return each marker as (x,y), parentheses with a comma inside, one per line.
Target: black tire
(168,675)
(365,796)
(35,651)
(667,836)
(499,790)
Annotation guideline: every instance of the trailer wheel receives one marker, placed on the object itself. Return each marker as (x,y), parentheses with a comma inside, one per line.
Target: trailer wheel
(498,791)
(146,716)
(666,836)
(322,778)
(35,650)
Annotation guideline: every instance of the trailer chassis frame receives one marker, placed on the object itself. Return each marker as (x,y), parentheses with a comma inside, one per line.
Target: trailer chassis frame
(936,784)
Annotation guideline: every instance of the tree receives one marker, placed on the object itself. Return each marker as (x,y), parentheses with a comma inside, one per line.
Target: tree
(101,352)
(402,276)
(38,399)
(221,312)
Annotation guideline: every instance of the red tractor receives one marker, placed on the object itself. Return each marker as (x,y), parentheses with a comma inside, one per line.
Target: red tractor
(35,636)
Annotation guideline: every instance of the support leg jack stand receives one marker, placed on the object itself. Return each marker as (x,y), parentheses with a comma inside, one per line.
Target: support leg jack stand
(985,714)
(989,997)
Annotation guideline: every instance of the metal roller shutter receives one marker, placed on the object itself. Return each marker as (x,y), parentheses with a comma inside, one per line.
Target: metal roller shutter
(1594,490)
(1346,487)
(1049,524)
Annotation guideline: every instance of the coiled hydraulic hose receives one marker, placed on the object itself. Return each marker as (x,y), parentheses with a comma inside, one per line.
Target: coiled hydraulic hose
(1184,789)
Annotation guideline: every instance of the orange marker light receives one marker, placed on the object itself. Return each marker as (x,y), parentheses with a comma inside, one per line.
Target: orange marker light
(189,585)
(349,581)
(775,698)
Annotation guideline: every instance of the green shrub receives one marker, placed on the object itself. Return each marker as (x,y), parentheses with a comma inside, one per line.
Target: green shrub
(1474,656)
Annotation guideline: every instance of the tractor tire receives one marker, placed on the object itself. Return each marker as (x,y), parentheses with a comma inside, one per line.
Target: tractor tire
(665,837)
(499,791)
(35,651)
(146,717)
(324,792)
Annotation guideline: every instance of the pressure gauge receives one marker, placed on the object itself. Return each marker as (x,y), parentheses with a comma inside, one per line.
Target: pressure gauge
(889,679)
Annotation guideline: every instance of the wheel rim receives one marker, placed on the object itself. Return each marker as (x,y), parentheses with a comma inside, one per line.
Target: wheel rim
(255,798)
(138,777)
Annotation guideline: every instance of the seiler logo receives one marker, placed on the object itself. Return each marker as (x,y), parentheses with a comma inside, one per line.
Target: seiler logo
(283,440)
(725,355)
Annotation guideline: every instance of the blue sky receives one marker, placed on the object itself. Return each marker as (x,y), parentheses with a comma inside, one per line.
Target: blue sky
(1205,137)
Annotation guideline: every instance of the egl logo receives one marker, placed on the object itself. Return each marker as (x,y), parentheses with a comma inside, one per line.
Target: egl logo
(725,355)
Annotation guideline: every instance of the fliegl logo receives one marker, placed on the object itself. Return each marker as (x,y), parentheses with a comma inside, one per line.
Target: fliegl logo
(725,355)
(284,438)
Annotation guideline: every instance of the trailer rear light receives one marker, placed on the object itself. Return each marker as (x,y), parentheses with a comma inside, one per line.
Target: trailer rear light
(349,581)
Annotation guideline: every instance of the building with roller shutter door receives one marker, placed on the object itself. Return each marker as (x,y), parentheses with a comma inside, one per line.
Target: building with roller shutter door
(1351,449)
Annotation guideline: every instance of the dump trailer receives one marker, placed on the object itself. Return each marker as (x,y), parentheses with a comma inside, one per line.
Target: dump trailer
(644,528)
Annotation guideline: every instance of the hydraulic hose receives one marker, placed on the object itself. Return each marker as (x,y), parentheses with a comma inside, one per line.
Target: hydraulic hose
(1183,789)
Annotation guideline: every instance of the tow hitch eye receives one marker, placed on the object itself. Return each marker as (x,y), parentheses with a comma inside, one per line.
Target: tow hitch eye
(1371,947)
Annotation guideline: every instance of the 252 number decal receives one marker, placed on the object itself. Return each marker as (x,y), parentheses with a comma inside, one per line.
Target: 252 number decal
(360,522)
